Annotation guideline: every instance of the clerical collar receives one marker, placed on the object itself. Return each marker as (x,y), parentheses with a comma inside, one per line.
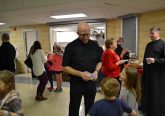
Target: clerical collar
(155,40)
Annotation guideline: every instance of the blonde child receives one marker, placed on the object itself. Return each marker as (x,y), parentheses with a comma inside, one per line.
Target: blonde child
(110,105)
(130,91)
(10,101)
(58,68)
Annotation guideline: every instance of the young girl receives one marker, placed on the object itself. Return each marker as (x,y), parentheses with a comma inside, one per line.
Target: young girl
(51,67)
(130,91)
(10,101)
(58,57)
(55,67)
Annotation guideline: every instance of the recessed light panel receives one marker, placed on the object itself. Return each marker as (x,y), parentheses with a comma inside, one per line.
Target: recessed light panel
(69,16)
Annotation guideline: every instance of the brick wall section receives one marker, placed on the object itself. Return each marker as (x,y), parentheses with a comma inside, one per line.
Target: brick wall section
(18,41)
(113,28)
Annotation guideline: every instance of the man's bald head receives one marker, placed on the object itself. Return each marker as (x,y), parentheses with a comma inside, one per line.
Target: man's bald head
(82,26)
(83,31)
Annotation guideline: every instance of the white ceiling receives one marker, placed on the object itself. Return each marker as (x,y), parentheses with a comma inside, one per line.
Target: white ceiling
(27,12)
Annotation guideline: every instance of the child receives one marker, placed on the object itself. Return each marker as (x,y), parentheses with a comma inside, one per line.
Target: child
(50,67)
(58,56)
(130,92)
(10,101)
(50,71)
(110,105)
(56,67)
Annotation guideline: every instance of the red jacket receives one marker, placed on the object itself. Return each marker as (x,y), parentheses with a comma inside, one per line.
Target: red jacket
(109,67)
(56,62)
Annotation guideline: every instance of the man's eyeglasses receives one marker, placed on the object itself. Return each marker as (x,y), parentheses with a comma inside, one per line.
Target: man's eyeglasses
(152,33)
(84,35)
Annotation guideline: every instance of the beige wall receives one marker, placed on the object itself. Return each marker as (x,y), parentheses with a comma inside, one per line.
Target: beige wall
(146,21)
(113,28)
(16,35)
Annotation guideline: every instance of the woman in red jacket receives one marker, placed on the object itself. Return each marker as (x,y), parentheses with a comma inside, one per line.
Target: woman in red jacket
(110,60)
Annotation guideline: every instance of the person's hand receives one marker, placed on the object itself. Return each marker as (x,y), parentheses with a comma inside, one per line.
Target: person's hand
(14,114)
(150,60)
(133,113)
(50,54)
(11,113)
(92,76)
(120,62)
(46,52)
(95,75)
(84,76)
(125,50)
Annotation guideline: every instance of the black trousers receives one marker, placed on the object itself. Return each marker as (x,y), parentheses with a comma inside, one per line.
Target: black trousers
(43,79)
(79,88)
(50,75)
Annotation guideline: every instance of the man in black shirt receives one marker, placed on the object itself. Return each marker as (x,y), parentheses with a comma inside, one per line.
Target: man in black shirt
(121,52)
(82,61)
(7,54)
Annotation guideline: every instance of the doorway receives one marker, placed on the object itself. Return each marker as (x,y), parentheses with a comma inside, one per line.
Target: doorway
(29,37)
(64,34)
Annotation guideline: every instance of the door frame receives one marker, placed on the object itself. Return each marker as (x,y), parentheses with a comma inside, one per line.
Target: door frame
(25,40)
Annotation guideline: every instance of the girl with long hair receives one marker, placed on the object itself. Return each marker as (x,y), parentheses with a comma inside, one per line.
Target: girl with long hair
(130,91)
(10,101)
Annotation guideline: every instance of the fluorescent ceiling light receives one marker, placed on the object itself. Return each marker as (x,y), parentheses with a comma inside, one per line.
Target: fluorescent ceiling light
(101,28)
(69,16)
(2,23)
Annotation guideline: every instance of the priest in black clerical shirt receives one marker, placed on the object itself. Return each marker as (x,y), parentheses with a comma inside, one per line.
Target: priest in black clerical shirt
(153,77)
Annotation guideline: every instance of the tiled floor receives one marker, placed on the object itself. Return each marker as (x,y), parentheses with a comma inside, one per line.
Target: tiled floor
(56,105)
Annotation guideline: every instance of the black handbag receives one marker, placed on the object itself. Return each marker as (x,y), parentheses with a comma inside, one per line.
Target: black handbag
(28,62)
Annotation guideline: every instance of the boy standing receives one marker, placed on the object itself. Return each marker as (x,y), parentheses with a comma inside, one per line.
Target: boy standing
(110,105)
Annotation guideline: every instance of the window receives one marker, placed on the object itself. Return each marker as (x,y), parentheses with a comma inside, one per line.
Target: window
(129,32)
